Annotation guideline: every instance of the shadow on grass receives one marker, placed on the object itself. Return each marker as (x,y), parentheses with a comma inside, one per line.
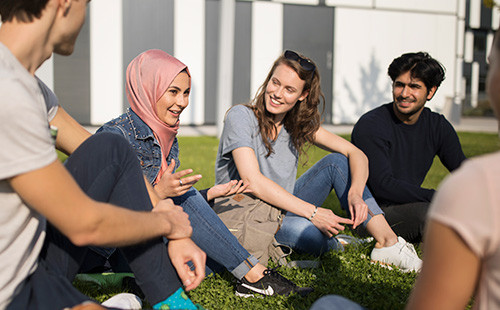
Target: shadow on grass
(347,273)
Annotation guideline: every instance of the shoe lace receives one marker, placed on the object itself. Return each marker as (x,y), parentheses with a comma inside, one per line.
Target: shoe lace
(410,247)
(275,274)
(409,258)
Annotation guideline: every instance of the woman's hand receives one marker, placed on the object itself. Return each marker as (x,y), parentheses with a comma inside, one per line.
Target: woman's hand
(230,188)
(358,209)
(329,223)
(175,184)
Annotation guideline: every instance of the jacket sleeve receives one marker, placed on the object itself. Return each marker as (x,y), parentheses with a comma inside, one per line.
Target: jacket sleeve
(376,144)
(203,193)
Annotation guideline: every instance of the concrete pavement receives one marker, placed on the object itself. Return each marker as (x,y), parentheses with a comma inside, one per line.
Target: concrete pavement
(471,124)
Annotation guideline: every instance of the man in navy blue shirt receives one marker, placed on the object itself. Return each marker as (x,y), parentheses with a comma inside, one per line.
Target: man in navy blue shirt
(402,138)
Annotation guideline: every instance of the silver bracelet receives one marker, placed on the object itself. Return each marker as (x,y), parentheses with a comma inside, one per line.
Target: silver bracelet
(314,213)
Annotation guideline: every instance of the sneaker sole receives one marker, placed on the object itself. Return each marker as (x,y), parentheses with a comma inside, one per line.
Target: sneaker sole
(244,295)
(382,264)
(390,266)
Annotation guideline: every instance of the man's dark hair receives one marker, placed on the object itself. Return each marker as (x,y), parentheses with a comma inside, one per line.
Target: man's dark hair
(420,65)
(22,10)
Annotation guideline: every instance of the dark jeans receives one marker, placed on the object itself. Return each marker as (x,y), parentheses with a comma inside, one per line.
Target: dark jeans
(407,220)
(209,233)
(106,168)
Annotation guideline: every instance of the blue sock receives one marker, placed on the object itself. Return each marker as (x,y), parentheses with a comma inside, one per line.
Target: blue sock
(178,300)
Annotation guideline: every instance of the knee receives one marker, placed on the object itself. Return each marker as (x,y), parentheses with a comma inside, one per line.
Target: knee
(191,201)
(420,211)
(337,160)
(110,140)
(111,145)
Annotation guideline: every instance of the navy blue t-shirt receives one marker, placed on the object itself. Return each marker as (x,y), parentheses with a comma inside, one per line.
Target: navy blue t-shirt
(400,155)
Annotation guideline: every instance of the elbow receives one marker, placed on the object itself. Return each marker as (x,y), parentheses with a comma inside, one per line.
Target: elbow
(81,239)
(357,153)
(86,232)
(253,184)
(363,157)
(85,237)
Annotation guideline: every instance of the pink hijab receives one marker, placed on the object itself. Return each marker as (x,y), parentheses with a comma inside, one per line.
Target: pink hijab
(148,77)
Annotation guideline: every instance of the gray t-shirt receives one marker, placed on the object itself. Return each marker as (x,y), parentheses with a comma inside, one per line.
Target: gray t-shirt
(241,129)
(51,101)
(26,146)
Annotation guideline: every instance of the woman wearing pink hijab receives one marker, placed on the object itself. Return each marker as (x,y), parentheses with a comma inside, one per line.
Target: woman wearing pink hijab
(158,87)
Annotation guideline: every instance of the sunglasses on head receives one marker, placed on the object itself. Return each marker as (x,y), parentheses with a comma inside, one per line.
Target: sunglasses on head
(306,64)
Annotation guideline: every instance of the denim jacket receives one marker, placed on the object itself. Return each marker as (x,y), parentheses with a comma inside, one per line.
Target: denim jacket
(143,141)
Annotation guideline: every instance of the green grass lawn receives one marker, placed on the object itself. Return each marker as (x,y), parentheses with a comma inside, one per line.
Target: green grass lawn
(347,273)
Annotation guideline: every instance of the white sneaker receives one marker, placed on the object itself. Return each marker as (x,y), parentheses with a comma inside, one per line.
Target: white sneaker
(402,254)
(124,301)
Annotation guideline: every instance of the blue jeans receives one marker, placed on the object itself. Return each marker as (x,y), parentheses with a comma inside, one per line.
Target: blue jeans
(314,186)
(213,237)
(335,302)
(106,169)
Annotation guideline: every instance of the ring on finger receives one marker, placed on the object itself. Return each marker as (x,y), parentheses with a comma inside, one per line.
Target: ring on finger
(180,182)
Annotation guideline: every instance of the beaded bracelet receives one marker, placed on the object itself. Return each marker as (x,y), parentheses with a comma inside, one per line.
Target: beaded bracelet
(314,213)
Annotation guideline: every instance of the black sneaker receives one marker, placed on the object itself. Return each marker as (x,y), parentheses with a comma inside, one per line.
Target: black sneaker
(271,284)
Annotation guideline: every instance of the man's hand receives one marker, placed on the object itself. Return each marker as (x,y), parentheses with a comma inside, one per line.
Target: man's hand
(329,223)
(358,209)
(178,219)
(182,251)
(230,188)
(175,184)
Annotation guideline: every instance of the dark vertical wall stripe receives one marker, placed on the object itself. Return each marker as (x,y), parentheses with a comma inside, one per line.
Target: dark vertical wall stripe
(146,25)
(242,52)
(309,30)
(212,13)
(485,18)
(72,78)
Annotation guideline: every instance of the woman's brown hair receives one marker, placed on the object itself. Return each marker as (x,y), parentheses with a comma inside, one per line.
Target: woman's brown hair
(303,120)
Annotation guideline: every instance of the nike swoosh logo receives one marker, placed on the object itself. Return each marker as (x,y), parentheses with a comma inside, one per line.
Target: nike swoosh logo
(268,291)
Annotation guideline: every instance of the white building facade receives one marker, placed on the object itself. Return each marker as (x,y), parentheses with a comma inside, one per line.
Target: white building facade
(351,41)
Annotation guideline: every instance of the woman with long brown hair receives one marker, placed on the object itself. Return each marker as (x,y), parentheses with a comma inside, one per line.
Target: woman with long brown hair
(261,144)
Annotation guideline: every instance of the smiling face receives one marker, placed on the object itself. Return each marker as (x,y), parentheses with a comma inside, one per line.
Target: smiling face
(175,99)
(283,91)
(410,95)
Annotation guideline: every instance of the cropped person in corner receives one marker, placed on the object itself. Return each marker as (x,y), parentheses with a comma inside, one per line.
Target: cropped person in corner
(402,138)
(261,144)
(158,87)
(51,213)
(462,245)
